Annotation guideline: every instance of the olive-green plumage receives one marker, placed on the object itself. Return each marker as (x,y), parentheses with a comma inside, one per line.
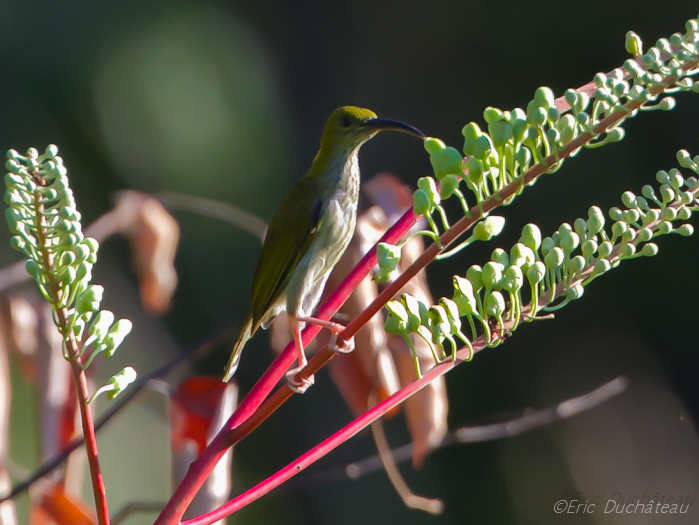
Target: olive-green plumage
(311,228)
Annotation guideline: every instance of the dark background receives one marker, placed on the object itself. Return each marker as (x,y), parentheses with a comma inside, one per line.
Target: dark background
(227,100)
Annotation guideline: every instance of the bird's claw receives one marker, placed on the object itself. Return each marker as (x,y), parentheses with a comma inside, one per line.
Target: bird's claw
(299,387)
(346,347)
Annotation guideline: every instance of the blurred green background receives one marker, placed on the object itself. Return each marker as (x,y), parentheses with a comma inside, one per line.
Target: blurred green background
(227,100)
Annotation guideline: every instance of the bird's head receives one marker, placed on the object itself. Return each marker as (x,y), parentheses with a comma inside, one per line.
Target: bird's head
(349,127)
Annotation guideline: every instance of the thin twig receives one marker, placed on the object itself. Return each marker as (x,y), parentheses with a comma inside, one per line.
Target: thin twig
(505,429)
(411,500)
(215,209)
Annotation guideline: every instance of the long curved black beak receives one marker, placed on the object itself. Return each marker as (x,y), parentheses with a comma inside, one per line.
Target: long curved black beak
(380,124)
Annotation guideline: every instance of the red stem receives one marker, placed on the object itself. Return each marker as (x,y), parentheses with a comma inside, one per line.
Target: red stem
(202,466)
(329,444)
(98,487)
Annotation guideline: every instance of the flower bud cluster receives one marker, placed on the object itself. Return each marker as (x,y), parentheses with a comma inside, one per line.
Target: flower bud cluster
(46,225)
(516,141)
(552,270)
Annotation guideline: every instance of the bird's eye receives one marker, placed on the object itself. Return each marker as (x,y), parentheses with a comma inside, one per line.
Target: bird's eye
(345,122)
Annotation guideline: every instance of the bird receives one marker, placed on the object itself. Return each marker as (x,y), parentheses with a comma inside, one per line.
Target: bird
(308,234)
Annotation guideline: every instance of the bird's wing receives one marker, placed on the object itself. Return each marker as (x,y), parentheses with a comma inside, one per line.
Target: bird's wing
(289,236)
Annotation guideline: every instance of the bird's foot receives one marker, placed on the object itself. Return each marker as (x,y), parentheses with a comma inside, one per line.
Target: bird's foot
(299,387)
(345,347)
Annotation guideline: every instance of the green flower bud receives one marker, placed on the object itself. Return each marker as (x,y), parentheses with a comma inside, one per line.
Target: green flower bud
(570,242)
(580,227)
(439,323)
(676,179)
(433,146)
(475,170)
(627,250)
(667,104)
(601,266)
(501,131)
(685,230)
(67,258)
(464,297)
(447,186)
(482,147)
(684,158)
(116,335)
(492,274)
(684,213)
(397,319)
(414,309)
(522,255)
(90,299)
(495,304)
(615,214)
(662,177)
(33,268)
(554,258)
(531,237)
(664,228)
(471,133)
(544,97)
(631,216)
(552,115)
(513,279)
(645,235)
(567,128)
(499,255)
(19,244)
(421,203)
(595,223)
(452,311)
(475,276)
(429,186)
(12,217)
(121,381)
(536,272)
(668,214)
(651,216)
(99,328)
(629,199)
(575,292)
(618,229)
(629,235)
(523,157)
(649,250)
(588,249)
(576,264)
(536,116)
(634,44)
(447,162)
(489,227)
(547,245)
(605,249)
(491,114)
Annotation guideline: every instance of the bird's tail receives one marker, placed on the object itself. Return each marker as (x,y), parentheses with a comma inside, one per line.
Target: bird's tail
(246,331)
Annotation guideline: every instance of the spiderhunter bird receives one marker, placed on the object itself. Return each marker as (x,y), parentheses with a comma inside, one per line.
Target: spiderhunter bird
(309,233)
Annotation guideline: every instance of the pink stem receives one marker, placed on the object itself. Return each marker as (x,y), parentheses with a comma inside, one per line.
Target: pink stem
(202,466)
(331,443)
